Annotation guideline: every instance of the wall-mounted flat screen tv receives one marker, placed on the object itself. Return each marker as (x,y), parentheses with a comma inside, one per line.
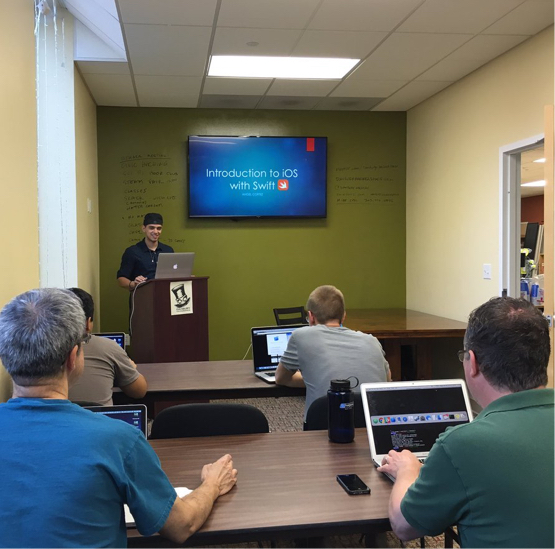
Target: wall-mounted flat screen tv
(257,176)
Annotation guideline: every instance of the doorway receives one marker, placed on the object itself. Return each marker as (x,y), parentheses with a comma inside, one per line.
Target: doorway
(532,257)
(512,159)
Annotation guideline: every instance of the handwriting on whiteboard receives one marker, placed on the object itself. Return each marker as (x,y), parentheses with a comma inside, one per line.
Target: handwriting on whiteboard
(372,184)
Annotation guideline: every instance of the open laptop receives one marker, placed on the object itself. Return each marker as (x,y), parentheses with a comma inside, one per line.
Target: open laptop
(268,344)
(178,265)
(410,415)
(134,414)
(118,337)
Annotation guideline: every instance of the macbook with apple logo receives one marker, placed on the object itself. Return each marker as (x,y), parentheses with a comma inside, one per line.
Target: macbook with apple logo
(177,265)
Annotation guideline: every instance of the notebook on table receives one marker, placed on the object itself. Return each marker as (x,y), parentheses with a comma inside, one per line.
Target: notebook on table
(177,265)
(133,414)
(410,415)
(268,345)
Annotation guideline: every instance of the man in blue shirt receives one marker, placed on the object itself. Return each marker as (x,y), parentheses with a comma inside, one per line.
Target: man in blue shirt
(492,477)
(65,472)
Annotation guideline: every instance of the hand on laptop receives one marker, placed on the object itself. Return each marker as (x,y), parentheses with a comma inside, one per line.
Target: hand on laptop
(400,463)
(221,473)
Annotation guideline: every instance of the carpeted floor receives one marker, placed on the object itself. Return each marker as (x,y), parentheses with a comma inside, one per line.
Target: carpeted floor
(286,414)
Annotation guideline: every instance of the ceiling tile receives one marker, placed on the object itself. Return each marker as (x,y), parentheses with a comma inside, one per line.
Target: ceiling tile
(289,103)
(102,67)
(470,56)
(404,56)
(529,18)
(277,14)
(229,101)
(352,45)
(457,16)
(362,86)
(168,91)
(163,50)
(115,90)
(302,88)
(409,96)
(168,12)
(347,103)
(362,15)
(236,86)
(231,41)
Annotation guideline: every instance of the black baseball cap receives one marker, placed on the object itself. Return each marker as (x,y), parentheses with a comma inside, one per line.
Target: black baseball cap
(153,219)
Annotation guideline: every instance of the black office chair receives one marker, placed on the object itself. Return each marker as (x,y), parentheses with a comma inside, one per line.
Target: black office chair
(206,420)
(290,315)
(317,415)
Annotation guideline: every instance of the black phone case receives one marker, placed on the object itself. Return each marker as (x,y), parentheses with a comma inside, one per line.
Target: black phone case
(355,492)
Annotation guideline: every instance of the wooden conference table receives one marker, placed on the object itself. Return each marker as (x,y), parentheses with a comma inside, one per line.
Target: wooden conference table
(179,382)
(397,327)
(171,383)
(286,487)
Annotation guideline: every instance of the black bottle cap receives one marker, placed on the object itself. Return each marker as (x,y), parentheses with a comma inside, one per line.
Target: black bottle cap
(340,385)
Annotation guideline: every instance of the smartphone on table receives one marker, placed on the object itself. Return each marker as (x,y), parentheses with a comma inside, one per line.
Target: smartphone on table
(353,485)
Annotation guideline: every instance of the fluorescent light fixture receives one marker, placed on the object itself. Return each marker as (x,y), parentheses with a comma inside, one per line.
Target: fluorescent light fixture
(540,160)
(540,183)
(303,68)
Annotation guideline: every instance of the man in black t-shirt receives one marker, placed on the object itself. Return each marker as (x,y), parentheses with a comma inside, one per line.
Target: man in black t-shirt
(139,261)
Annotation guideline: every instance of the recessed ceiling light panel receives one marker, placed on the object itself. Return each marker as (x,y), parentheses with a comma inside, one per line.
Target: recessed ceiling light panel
(293,68)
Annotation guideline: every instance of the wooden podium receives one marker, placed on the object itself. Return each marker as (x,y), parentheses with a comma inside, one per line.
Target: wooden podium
(159,336)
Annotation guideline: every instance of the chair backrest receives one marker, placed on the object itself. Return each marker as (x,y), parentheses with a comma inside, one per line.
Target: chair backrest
(205,420)
(317,415)
(290,315)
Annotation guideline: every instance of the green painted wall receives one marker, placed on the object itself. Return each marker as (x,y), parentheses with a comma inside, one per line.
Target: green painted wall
(255,265)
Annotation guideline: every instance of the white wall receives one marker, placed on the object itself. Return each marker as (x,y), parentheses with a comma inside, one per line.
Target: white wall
(453,142)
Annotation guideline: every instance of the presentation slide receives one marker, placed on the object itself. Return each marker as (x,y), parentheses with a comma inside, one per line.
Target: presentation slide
(257,176)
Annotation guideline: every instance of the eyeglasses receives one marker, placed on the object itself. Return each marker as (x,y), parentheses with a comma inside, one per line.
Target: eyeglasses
(86,338)
(461,354)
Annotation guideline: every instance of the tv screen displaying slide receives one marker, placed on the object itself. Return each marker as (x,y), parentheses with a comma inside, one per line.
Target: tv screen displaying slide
(257,176)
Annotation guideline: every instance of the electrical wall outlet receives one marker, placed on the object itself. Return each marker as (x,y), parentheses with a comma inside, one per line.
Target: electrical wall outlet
(486,269)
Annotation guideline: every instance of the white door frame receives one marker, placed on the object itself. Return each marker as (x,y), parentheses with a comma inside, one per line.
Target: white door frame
(509,212)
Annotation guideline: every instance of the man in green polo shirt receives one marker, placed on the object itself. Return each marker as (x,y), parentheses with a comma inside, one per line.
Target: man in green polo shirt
(492,477)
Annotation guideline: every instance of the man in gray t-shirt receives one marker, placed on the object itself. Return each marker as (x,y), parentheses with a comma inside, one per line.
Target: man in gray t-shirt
(326,350)
(106,365)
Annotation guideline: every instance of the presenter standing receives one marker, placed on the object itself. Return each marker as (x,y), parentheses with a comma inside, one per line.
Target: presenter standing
(139,261)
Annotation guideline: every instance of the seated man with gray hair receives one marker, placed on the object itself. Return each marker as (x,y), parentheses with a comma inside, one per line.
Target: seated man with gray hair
(327,350)
(67,472)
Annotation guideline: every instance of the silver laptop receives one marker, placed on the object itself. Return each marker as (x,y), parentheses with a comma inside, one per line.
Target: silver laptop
(268,345)
(410,415)
(133,414)
(179,265)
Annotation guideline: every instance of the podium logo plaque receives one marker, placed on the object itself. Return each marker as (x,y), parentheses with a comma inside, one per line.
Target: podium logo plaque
(181,297)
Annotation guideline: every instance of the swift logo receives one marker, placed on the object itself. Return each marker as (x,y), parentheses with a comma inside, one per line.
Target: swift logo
(283,185)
